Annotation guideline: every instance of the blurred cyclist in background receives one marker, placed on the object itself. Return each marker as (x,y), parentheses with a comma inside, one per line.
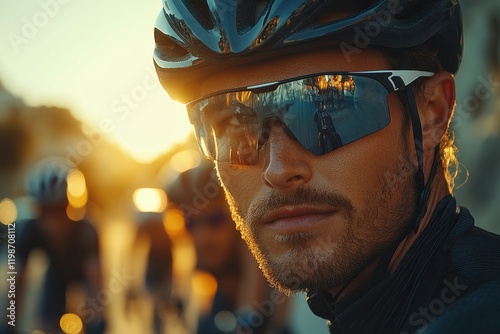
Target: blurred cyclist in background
(243,302)
(71,247)
(151,246)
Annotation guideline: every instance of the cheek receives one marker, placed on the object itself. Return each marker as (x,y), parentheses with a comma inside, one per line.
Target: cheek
(242,183)
(362,170)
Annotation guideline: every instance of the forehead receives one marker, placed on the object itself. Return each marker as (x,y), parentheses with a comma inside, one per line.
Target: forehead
(294,65)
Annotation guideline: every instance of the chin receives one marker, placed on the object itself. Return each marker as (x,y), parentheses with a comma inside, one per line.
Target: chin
(313,268)
(331,257)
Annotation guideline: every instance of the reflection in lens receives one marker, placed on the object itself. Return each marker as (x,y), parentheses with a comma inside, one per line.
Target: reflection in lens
(322,113)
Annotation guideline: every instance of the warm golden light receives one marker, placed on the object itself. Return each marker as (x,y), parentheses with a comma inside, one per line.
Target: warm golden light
(71,323)
(78,202)
(77,189)
(204,284)
(185,160)
(75,214)
(8,211)
(243,96)
(173,222)
(322,83)
(184,258)
(150,199)
(76,183)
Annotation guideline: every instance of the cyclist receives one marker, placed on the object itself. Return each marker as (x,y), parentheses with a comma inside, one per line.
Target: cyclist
(71,248)
(368,228)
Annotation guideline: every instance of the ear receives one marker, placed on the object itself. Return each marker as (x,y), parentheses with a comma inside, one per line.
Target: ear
(435,108)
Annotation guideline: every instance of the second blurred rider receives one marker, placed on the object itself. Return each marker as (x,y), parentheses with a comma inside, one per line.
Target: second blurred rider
(221,252)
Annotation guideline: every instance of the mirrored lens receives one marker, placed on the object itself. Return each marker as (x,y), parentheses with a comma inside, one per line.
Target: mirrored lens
(321,112)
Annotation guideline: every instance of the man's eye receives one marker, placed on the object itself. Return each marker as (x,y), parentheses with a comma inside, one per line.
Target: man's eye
(217,116)
(244,114)
(245,118)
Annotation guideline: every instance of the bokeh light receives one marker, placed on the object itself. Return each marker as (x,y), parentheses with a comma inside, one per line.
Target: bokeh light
(150,199)
(71,323)
(204,284)
(8,211)
(184,160)
(225,321)
(77,189)
(173,221)
(75,214)
(76,183)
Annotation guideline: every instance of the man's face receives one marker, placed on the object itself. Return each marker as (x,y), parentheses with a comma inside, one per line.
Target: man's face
(315,222)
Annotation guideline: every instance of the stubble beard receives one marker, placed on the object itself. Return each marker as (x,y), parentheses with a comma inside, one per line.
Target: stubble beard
(313,261)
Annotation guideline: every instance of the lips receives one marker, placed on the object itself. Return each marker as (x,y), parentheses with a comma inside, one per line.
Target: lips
(289,220)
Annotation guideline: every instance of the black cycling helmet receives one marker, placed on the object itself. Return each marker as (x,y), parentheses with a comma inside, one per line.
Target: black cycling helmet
(195,38)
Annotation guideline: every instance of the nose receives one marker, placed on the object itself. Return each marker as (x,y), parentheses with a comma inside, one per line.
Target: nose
(287,163)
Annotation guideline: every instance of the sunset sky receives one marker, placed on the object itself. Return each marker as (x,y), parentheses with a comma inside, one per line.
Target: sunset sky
(95,58)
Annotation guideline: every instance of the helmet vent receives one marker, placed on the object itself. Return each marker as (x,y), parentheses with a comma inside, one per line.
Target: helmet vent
(167,48)
(245,9)
(200,10)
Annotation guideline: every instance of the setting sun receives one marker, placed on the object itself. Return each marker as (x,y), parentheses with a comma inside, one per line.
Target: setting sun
(107,79)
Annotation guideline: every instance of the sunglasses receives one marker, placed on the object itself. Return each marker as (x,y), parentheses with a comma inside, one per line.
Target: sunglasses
(322,112)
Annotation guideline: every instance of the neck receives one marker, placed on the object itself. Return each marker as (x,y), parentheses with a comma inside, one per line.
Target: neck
(439,190)
(368,272)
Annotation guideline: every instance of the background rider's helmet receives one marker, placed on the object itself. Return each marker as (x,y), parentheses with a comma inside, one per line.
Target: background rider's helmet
(47,181)
(195,187)
(197,38)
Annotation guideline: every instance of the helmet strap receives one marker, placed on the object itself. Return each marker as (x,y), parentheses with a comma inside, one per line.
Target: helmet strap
(423,189)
